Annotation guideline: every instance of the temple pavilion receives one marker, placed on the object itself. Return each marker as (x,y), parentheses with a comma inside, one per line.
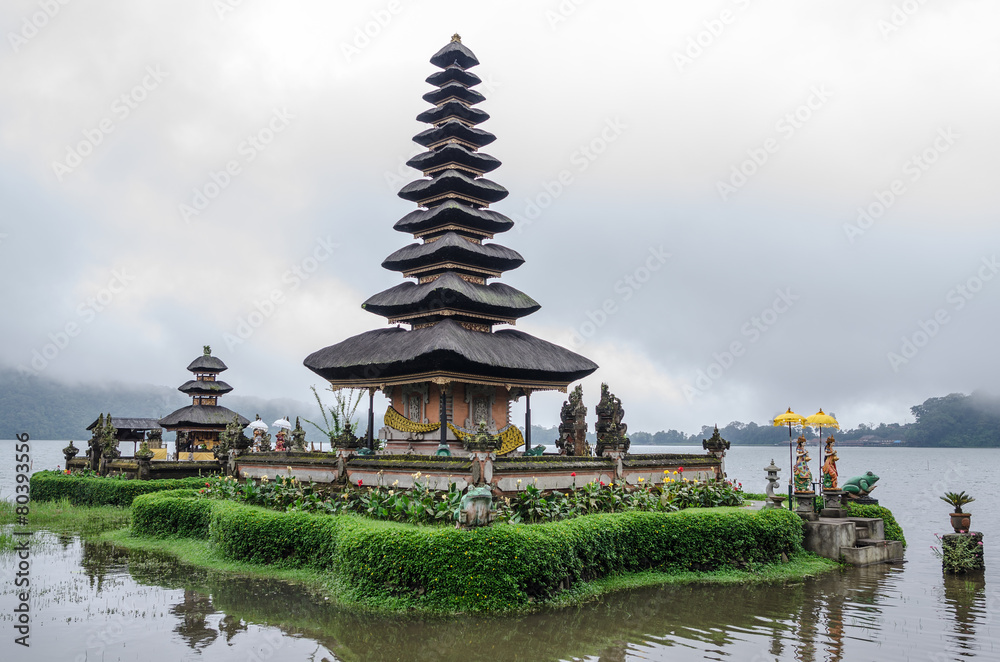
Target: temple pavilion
(202,421)
(443,359)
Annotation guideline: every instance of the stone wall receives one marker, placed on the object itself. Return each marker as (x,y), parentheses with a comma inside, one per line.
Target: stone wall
(506,474)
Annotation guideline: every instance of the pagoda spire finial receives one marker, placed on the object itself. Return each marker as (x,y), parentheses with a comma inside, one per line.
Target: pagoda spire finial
(456,37)
(207,350)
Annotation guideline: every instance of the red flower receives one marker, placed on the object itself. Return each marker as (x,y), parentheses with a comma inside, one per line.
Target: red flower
(573,474)
(359,482)
(602,483)
(680,470)
(208,484)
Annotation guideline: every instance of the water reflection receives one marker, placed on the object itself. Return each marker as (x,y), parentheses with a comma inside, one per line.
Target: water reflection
(964,598)
(175,612)
(803,621)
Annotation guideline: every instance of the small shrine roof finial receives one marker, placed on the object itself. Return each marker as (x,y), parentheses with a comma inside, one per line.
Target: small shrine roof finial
(456,37)
(207,350)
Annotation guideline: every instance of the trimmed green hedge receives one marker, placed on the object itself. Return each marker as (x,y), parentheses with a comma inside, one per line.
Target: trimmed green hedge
(499,568)
(171,512)
(54,485)
(893,531)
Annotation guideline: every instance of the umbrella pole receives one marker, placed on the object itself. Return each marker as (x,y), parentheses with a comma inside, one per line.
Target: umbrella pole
(819,459)
(791,467)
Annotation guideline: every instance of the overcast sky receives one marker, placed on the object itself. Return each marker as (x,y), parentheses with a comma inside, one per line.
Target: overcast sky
(732,207)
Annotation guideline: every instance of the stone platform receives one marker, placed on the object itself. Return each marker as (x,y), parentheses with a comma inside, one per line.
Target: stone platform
(506,475)
(856,540)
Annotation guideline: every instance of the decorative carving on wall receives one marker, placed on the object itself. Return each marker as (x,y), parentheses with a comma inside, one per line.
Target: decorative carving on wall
(480,399)
(416,397)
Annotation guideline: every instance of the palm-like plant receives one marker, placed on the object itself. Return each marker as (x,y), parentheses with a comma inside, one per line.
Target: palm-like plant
(957,500)
(340,421)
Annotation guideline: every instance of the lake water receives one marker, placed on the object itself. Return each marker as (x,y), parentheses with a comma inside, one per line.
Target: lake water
(95,602)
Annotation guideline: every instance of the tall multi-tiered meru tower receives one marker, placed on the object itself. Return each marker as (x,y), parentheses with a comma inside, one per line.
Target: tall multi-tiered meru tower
(450,365)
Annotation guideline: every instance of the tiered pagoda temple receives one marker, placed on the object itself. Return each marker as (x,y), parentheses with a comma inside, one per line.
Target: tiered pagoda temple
(202,421)
(451,364)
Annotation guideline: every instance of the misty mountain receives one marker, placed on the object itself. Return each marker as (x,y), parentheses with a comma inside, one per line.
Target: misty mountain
(50,409)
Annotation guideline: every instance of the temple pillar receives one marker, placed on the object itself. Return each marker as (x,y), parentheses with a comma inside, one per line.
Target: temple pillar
(371,418)
(527,420)
(443,415)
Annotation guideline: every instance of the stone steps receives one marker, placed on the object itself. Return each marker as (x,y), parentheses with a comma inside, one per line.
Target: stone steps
(855,540)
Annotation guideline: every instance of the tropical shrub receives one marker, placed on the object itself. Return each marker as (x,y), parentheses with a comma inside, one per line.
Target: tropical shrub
(893,531)
(498,568)
(97,491)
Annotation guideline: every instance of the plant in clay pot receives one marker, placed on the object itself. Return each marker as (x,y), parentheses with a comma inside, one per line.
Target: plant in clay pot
(958,500)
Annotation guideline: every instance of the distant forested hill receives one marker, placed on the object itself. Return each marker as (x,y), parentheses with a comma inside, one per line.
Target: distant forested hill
(955,420)
(49,409)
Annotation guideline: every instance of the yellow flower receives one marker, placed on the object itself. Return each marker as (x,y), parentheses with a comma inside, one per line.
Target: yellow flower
(641,479)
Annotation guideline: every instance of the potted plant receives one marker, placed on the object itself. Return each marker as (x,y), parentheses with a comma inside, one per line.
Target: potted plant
(958,500)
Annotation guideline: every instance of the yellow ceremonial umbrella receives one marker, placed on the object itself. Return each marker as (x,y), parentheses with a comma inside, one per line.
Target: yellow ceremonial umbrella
(821,420)
(789,418)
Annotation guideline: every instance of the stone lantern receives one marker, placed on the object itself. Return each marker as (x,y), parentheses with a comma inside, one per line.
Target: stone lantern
(773,500)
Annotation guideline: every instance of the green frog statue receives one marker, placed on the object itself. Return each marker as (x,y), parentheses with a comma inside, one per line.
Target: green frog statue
(860,486)
(475,509)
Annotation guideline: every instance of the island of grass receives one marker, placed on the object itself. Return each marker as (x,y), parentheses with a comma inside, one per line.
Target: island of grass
(397,566)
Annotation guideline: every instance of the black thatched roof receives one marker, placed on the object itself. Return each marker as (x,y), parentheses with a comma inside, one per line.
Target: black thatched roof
(123,423)
(456,74)
(451,247)
(454,129)
(455,52)
(451,213)
(207,363)
(453,110)
(196,387)
(453,181)
(201,416)
(454,153)
(447,347)
(454,90)
(455,210)
(451,292)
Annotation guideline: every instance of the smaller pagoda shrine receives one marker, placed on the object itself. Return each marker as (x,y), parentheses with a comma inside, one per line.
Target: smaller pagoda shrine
(201,422)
